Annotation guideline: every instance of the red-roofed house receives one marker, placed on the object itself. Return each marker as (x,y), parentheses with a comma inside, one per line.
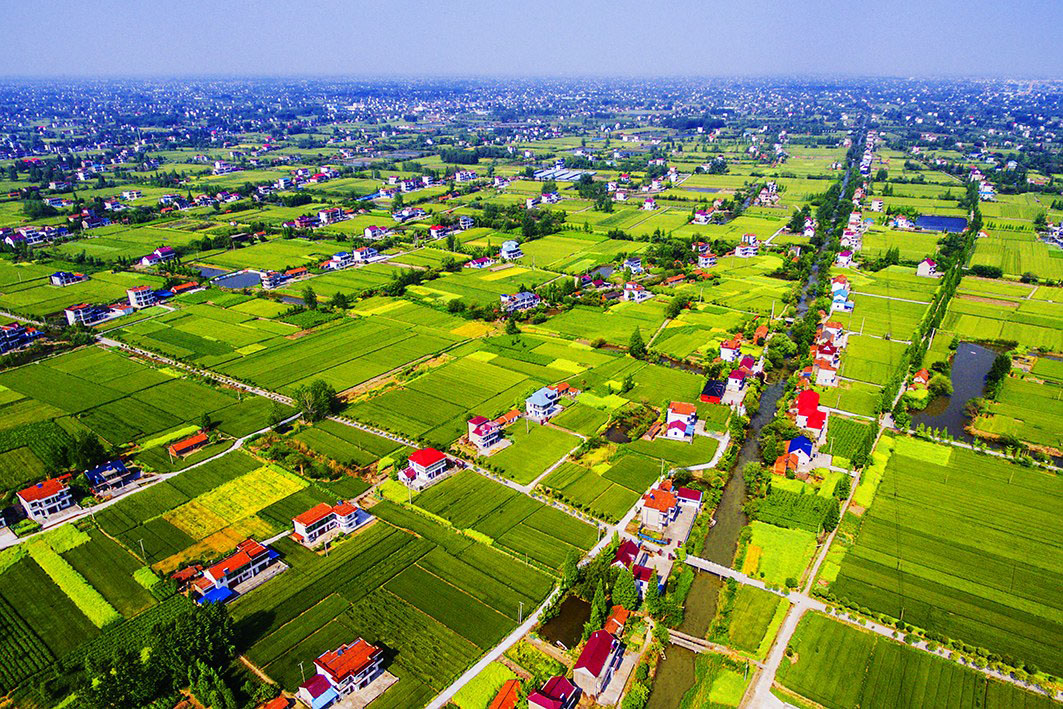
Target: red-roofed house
(426,466)
(808,414)
(927,268)
(350,667)
(730,349)
(46,498)
(188,445)
(659,507)
(920,379)
(626,554)
(680,421)
(323,521)
(507,696)
(600,658)
(248,561)
(484,433)
(614,624)
(759,334)
(557,693)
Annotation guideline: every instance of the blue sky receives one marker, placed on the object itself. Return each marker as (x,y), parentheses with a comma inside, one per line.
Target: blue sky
(1017,38)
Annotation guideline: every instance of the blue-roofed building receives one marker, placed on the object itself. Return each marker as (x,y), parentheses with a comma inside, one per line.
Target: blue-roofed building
(216,595)
(510,251)
(65,278)
(542,404)
(802,446)
(110,478)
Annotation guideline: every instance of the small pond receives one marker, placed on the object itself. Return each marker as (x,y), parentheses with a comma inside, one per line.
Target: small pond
(239,279)
(932,222)
(970,365)
(566,627)
(210,272)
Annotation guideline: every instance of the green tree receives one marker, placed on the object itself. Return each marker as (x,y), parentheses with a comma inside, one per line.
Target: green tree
(315,401)
(636,347)
(940,385)
(339,301)
(570,572)
(310,298)
(205,421)
(511,327)
(831,519)
(624,591)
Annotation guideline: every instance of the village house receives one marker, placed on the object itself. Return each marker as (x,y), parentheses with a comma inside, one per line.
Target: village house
(65,278)
(649,204)
(557,693)
(110,478)
(636,293)
(920,380)
(466,222)
(597,663)
(680,421)
(510,251)
(713,391)
(542,405)
(14,335)
(707,260)
(796,459)
(322,522)
(620,196)
(845,259)
(189,445)
(702,216)
(749,246)
(159,255)
(517,302)
(339,261)
(364,254)
(141,296)
(47,498)
(374,233)
(736,380)
(426,466)
(229,577)
(809,415)
(632,264)
(659,508)
(273,279)
(731,349)
(341,672)
(531,202)
(484,433)
(84,314)
(482,262)
(927,268)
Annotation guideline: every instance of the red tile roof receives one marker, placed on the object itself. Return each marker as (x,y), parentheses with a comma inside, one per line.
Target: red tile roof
(807,402)
(426,457)
(657,499)
(189,444)
(315,514)
(45,489)
(595,652)
(348,660)
(507,697)
(681,408)
(247,551)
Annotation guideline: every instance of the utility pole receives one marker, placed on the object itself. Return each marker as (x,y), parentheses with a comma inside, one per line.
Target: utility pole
(302,673)
(521,615)
(143,554)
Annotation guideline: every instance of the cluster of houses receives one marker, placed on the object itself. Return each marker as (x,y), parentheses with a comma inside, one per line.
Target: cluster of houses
(249,565)
(869,153)
(797,457)
(275,279)
(346,259)
(43,501)
(986,191)
(15,335)
(137,297)
(418,183)
(839,294)
(408,213)
(732,390)
(826,350)
(545,198)
(749,247)
(31,235)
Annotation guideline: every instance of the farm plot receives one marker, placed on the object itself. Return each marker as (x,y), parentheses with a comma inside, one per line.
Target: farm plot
(532,451)
(346,444)
(913,246)
(587,490)
(963,545)
(883,317)
(870,359)
(754,619)
(893,282)
(777,554)
(845,436)
(854,397)
(1018,252)
(39,299)
(1029,410)
(842,667)
(1034,324)
(418,595)
(513,520)
(481,287)
(615,325)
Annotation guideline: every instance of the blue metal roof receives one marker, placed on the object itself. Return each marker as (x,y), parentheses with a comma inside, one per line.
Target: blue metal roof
(217,595)
(800,444)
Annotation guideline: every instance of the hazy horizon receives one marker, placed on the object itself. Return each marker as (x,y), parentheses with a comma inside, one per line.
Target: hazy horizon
(932,39)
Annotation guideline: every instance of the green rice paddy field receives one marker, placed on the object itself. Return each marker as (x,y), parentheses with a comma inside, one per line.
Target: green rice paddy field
(963,545)
(842,667)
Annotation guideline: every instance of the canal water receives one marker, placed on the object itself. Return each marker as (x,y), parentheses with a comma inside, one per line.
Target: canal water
(676,671)
(933,222)
(970,365)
